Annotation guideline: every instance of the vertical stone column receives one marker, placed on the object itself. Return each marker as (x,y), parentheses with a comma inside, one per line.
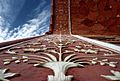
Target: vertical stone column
(60,17)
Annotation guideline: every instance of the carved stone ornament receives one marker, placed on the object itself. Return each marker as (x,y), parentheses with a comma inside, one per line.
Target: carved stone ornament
(59,53)
(4,75)
(114,77)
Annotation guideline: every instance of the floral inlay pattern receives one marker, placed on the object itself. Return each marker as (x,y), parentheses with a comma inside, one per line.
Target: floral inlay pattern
(115,76)
(4,75)
(60,53)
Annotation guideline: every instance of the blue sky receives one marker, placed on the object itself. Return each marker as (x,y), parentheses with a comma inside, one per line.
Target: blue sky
(23,18)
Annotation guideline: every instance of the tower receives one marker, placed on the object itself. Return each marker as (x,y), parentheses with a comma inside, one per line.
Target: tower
(86,17)
(60,17)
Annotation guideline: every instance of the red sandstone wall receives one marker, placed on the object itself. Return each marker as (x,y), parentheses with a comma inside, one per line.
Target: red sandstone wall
(60,17)
(95,17)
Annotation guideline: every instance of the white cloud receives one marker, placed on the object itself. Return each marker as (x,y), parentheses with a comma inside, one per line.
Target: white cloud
(9,9)
(3,30)
(34,27)
(30,28)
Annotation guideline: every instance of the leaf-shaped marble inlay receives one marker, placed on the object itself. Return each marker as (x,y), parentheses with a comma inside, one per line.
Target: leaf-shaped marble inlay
(33,50)
(104,62)
(4,75)
(115,76)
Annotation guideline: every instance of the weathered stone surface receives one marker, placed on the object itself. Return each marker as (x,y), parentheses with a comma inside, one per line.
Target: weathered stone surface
(91,13)
(96,60)
(95,13)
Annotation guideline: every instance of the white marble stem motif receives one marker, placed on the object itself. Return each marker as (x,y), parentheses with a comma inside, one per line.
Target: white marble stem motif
(59,69)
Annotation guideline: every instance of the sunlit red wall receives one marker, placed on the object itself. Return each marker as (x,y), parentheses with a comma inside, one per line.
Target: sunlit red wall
(88,17)
(95,17)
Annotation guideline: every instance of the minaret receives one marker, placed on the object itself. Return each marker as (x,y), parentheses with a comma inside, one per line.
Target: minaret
(85,17)
(60,17)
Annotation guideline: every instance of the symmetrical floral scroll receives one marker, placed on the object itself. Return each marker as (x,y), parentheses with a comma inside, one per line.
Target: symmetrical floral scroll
(60,53)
